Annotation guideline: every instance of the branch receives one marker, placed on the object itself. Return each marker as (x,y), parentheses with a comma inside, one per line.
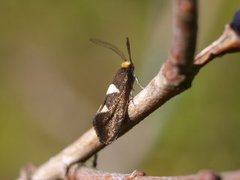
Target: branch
(86,173)
(80,172)
(174,77)
(228,42)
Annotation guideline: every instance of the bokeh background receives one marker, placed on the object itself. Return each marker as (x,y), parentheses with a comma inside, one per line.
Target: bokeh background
(52,81)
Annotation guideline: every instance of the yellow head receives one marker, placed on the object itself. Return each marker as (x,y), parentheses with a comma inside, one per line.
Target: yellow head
(125,64)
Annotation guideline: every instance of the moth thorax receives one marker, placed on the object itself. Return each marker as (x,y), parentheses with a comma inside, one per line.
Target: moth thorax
(125,64)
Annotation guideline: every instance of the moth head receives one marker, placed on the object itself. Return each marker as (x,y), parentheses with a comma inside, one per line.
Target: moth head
(126,64)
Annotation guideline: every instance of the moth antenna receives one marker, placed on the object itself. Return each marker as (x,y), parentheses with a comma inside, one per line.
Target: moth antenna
(109,46)
(129,50)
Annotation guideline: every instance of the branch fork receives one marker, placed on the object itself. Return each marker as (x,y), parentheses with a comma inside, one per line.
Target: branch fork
(174,77)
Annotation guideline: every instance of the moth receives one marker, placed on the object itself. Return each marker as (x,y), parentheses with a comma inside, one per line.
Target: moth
(113,113)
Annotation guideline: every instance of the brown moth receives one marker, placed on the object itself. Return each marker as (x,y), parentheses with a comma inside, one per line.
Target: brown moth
(111,115)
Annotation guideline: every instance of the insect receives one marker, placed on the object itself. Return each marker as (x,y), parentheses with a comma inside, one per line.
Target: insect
(112,114)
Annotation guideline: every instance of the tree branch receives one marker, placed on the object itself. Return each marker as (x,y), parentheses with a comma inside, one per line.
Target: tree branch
(228,42)
(86,173)
(174,77)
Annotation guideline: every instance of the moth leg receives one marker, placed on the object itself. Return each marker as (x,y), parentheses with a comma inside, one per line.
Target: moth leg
(131,96)
(137,81)
(95,158)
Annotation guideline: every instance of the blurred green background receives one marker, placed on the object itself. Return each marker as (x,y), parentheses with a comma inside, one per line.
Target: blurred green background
(53,80)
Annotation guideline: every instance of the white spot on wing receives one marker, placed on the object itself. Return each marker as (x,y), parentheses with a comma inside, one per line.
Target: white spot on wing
(112,89)
(104,109)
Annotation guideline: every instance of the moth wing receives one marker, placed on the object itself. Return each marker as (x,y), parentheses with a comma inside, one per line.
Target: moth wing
(108,123)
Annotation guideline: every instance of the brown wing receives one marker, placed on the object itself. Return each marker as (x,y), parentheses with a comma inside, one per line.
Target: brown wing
(109,123)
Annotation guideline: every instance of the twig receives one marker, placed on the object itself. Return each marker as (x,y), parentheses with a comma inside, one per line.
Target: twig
(228,42)
(174,77)
(81,172)
(89,174)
